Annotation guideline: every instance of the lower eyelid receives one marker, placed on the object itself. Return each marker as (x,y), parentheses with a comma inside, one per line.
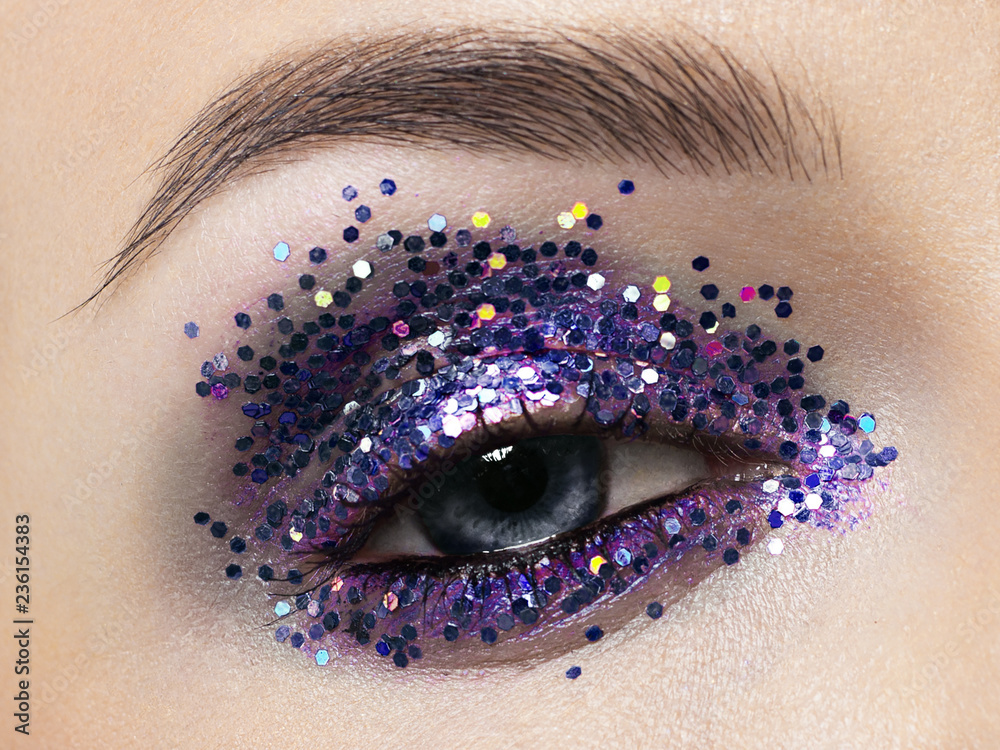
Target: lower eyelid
(673,572)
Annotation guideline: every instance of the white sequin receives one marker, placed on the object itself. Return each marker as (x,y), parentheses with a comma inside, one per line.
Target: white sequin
(362,269)
(813,501)
(631,293)
(786,507)
(595,281)
(775,546)
(452,426)
(493,414)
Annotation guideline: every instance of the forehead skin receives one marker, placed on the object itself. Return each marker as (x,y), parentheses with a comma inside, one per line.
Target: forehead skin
(894,645)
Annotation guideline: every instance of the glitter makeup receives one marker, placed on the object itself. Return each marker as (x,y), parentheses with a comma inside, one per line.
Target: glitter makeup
(446,358)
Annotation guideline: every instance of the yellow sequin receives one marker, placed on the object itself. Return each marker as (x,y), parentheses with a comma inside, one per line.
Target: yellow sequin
(480,219)
(579,210)
(595,563)
(661,303)
(497,261)
(661,285)
(323,299)
(486,312)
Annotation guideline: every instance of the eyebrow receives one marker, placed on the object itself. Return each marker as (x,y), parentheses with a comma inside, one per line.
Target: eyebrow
(687,107)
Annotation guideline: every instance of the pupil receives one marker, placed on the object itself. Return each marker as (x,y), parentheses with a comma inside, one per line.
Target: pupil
(513,478)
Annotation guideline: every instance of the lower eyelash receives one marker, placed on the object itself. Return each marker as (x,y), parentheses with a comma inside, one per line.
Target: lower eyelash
(705,379)
(518,590)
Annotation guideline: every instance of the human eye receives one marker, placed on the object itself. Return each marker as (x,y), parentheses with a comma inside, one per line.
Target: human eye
(470,446)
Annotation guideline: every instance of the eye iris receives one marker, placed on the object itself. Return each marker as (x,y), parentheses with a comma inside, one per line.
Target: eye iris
(514,495)
(512,479)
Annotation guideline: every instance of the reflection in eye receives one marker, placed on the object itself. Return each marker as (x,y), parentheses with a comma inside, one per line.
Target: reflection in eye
(353,421)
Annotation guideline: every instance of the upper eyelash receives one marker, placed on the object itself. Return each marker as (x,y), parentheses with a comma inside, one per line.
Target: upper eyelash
(686,365)
(719,449)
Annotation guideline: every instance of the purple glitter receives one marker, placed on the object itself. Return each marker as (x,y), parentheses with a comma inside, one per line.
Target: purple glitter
(453,345)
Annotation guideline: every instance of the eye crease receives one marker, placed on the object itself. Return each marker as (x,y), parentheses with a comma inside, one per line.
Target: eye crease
(474,389)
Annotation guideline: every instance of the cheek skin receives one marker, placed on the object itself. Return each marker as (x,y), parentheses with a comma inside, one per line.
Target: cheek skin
(340,379)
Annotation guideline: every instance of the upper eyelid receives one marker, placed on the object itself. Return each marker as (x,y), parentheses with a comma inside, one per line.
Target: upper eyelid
(678,103)
(679,434)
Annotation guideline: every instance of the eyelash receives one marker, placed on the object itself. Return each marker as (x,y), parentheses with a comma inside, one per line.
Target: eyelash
(699,380)
(477,441)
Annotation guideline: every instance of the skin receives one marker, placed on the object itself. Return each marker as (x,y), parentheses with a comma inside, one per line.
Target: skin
(882,637)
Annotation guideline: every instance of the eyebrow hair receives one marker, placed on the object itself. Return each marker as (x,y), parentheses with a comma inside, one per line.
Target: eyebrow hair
(683,107)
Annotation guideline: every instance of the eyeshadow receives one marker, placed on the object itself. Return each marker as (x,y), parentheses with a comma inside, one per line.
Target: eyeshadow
(474,329)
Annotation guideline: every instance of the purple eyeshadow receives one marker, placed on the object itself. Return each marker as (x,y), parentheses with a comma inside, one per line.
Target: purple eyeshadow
(339,397)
